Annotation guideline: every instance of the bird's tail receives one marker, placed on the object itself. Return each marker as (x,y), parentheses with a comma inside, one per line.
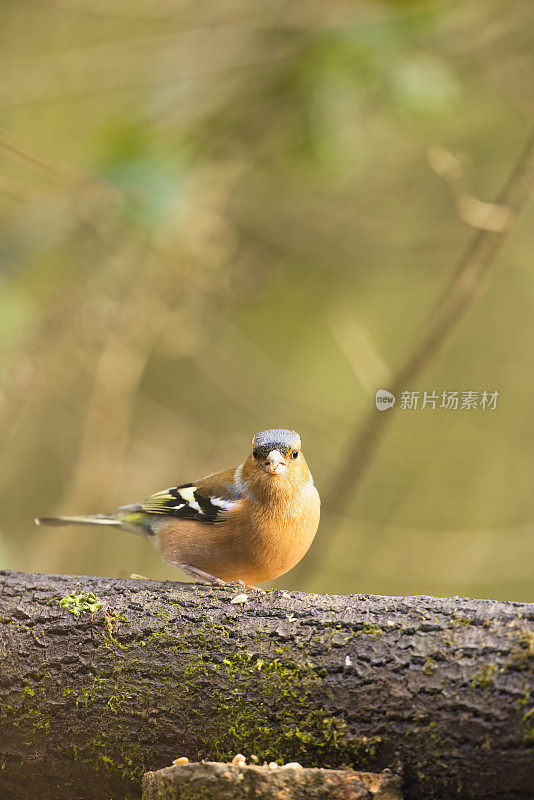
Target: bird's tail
(89,519)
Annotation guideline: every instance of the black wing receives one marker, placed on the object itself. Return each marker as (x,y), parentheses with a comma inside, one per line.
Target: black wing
(187,502)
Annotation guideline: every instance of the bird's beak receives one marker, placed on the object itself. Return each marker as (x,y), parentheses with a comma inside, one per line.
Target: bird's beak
(275,463)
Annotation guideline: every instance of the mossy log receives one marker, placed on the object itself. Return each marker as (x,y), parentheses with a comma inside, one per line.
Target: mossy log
(102,680)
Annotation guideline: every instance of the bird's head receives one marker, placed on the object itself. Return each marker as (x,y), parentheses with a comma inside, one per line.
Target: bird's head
(276,461)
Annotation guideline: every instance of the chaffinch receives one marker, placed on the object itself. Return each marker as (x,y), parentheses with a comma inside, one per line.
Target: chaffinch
(246,524)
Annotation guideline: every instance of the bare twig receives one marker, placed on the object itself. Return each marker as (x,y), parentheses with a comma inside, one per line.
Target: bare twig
(463,290)
(361,352)
(16,190)
(58,171)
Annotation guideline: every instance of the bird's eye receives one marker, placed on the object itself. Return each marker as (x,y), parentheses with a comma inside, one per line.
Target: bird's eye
(256,453)
(295,454)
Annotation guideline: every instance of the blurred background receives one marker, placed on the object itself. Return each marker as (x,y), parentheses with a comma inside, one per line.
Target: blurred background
(218,217)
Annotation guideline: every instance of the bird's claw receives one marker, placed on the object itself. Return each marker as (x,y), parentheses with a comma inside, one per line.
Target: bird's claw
(205,578)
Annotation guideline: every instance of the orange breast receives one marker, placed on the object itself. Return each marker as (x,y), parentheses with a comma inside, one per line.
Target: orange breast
(250,544)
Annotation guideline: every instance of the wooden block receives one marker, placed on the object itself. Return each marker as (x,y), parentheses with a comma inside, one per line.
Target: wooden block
(214,781)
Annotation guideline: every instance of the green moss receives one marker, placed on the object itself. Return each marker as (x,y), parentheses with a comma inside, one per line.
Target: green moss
(483,678)
(285,717)
(110,753)
(110,639)
(526,640)
(429,667)
(283,689)
(524,699)
(98,692)
(370,630)
(29,710)
(460,622)
(255,694)
(102,697)
(528,730)
(526,647)
(109,750)
(522,653)
(81,602)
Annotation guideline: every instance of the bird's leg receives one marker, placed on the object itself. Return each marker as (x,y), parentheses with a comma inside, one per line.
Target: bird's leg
(204,577)
(200,576)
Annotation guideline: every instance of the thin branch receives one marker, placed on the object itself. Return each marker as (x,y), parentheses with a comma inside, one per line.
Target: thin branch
(58,171)
(461,293)
(17,191)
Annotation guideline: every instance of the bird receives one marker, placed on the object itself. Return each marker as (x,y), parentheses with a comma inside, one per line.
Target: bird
(240,526)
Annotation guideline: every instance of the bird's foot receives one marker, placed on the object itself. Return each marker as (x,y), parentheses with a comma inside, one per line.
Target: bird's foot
(243,585)
(211,580)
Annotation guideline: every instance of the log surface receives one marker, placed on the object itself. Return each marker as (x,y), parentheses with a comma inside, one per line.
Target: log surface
(146,671)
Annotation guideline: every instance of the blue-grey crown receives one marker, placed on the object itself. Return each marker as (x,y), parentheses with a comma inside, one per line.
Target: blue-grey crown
(276,439)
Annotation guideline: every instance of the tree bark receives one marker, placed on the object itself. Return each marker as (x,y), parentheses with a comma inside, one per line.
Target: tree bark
(439,689)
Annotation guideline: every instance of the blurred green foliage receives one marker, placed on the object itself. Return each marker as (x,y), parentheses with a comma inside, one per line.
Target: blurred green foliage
(205,209)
